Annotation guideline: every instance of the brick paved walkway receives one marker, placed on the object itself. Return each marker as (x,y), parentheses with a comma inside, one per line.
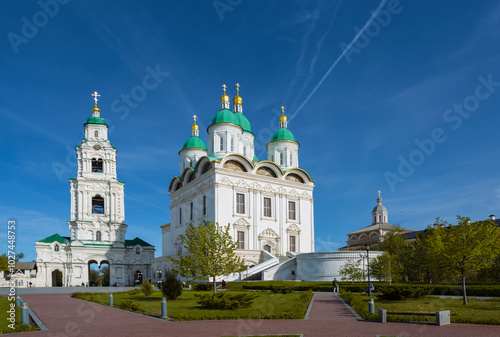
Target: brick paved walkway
(65,316)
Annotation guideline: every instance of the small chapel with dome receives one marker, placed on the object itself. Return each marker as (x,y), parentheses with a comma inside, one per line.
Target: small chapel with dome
(268,203)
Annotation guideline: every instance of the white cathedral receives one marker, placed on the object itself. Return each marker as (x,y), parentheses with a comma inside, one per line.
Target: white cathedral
(269,204)
(97,224)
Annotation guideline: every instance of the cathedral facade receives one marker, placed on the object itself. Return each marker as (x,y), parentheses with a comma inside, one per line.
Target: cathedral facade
(97,221)
(268,204)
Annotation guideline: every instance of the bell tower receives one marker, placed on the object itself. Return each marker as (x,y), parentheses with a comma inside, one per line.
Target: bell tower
(97,197)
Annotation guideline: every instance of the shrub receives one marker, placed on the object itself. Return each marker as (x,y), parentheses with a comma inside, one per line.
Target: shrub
(202,286)
(358,304)
(402,293)
(172,287)
(147,287)
(224,301)
(77,294)
(134,291)
(129,306)
(280,289)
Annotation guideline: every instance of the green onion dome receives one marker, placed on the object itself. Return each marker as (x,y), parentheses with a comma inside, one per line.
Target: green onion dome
(243,121)
(225,116)
(194,143)
(283,134)
(96,120)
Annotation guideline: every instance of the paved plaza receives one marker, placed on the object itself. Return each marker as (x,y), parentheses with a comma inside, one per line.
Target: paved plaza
(66,316)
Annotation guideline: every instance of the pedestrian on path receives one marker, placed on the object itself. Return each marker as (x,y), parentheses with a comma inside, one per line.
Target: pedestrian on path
(335,286)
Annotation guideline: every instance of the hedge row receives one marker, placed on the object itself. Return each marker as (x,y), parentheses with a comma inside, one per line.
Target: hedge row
(433,289)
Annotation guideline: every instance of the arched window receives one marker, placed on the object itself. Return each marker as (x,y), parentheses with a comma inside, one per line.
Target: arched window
(98,205)
(266,171)
(206,168)
(267,248)
(294,177)
(96,165)
(98,236)
(56,248)
(137,250)
(234,165)
(96,133)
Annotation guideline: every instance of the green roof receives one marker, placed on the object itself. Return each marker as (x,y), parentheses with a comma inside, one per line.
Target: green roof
(225,116)
(56,237)
(283,134)
(194,142)
(137,241)
(255,158)
(243,121)
(96,120)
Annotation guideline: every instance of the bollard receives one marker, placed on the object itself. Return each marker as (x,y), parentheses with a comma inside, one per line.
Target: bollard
(163,307)
(111,299)
(25,316)
(18,301)
(371,306)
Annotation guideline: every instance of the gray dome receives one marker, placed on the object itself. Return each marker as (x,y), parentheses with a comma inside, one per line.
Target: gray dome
(379,208)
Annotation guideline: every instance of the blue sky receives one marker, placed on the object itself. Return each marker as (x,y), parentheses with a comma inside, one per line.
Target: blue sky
(411,108)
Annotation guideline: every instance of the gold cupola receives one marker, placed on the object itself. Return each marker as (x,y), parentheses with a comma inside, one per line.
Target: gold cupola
(224,98)
(283,117)
(237,100)
(195,130)
(95,111)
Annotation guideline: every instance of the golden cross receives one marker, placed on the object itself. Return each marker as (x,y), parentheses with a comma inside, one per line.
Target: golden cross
(379,193)
(224,86)
(95,96)
(194,119)
(237,88)
(282,110)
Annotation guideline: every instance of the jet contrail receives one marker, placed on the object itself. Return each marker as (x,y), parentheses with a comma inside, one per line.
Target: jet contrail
(370,20)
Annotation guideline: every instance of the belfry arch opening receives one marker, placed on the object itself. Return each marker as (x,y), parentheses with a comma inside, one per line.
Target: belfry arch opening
(97,165)
(98,205)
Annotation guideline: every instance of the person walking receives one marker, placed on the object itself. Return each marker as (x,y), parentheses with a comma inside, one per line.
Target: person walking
(335,286)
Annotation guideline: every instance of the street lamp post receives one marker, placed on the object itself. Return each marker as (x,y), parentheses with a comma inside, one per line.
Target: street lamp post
(363,258)
(367,246)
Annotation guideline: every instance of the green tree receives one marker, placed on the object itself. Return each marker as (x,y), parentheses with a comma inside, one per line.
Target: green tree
(211,252)
(172,287)
(400,255)
(470,247)
(4,263)
(147,287)
(351,270)
(104,275)
(380,267)
(429,249)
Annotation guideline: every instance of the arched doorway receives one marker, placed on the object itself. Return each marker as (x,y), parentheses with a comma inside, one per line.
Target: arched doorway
(99,275)
(57,278)
(138,277)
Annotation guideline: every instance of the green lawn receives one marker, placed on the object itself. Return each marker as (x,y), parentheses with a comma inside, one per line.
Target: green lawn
(476,312)
(265,306)
(4,323)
